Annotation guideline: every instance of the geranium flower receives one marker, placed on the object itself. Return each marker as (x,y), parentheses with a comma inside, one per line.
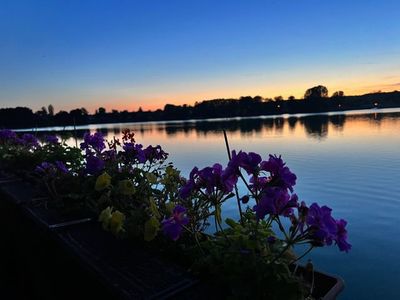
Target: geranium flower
(172,227)
(190,185)
(7,135)
(61,166)
(341,237)
(276,201)
(93,141)
(248,161)
(155,153)
(51,139)
(29,140)
(323,226)
(280,173)
(94,165)
(135,151)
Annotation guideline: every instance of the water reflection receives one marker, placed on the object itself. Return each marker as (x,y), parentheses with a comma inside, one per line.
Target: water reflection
(314,126)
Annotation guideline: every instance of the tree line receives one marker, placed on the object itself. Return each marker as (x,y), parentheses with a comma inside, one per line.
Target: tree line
(315,99)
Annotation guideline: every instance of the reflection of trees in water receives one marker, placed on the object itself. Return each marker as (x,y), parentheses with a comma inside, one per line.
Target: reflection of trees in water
(315,126)
(116,131)
(338,121)
(244,126)
(292,121)
(278,124)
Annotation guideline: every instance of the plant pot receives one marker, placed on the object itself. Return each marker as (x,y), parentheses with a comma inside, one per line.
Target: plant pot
(326,286)
(127,269)
(25,195)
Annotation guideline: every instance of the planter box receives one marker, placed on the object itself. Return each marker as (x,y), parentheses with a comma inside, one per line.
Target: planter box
(128,270)
(25,194)
(326,286)
(16,191)
(52,219)
(123,268)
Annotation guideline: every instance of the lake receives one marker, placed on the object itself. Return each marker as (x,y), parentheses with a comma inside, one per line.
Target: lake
(348,161)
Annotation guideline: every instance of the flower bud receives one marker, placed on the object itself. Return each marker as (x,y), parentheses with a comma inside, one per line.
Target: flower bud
(245,199)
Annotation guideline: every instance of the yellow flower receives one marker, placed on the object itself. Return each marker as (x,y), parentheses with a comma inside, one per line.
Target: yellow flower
(117,222)
(102,182)
(151,228)
(105,217)
(125,187)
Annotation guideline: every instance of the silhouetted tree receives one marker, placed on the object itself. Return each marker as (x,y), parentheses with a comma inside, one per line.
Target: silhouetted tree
(278,98)
(316,92)
(62,118)
(84,111)
(291,98)
(50,109)
(101,111)
(338,94)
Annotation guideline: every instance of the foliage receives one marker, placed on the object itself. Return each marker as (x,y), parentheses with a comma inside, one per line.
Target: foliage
(137,194)
(316,92)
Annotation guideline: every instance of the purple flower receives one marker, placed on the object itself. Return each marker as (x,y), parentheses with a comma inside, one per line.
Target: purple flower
(7,135)
(94,165)
(110,155)
(258,183)
(172,227)
(341,237)
(323,226)
(46,168)
(61,167)
(95,142)
(248,161)
(210,179)
(280,174)
(190,185)
(155,153)
(276,201)
(51,139)
(135,151)
(29,140)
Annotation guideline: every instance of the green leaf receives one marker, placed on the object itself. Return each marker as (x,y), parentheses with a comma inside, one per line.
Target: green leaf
(153,208)
(169,207)
(231,223)
(151,228)
(151,178)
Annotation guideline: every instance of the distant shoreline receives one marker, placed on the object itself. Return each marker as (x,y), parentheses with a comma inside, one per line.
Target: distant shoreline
(23,118)
(286,116)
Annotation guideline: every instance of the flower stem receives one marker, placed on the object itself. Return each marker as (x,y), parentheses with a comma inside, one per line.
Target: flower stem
(304,254)
(236,188)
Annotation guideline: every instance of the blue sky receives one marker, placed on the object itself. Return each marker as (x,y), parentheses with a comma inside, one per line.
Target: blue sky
(126,54)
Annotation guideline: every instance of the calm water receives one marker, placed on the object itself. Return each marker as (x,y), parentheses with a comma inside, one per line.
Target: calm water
(350,162)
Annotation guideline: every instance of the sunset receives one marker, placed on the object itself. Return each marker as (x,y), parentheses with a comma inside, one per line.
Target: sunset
(132,54)
(199,149)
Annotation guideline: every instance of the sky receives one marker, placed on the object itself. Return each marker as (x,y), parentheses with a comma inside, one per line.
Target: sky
(129,54)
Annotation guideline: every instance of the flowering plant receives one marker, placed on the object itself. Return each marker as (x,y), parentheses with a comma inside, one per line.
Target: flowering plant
(261,242)
(136,193)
